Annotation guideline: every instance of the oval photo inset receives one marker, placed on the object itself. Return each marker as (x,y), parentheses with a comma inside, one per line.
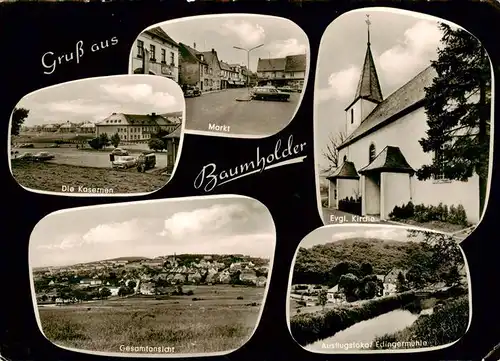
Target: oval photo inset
(378,289)
(241,74)
(403,121)
(106,136)
(178,277)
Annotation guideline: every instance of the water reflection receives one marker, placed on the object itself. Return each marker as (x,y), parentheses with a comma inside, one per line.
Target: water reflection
(367,331)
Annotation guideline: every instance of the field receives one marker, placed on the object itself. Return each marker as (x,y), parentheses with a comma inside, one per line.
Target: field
(211,320)
(50,138)
(52,177)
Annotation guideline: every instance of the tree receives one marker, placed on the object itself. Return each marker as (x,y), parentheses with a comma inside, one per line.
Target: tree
(95,144)
(104,140)
(115,140)
(458,107)
(44,298)
(401,285)
(370,290)
(131,284)
(349,284)
(366,269)
(123,291)
(156,144)
(322,298)
(104,293)
(19,115)
(331,153)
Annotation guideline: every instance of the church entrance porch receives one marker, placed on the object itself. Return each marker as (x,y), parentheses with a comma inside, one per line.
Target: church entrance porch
(385,183)
(343,190)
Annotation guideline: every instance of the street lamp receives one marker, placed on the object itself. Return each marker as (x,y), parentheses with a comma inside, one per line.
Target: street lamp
(248,60)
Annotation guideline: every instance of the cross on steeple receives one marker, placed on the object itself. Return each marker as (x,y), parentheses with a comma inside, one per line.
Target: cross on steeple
(368,23)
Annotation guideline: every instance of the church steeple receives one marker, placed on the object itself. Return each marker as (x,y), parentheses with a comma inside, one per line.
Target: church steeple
(368,93)
(369,85)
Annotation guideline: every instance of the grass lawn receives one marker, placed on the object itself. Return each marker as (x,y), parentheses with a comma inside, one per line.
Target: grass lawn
(51,177)
(435,225)
(218,321)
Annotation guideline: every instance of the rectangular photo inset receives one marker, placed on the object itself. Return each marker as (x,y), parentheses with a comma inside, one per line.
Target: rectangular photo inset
(362,288)
(241,74)
(106,136)
(177,277)
(403,122)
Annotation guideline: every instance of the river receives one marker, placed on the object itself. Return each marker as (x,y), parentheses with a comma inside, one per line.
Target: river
(367,331)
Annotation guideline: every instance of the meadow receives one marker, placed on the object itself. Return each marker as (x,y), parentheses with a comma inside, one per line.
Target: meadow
(213,319)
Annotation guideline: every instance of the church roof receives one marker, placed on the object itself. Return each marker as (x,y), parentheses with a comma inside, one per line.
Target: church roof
(403,101)
(390,159)
(368,85)
(346,171)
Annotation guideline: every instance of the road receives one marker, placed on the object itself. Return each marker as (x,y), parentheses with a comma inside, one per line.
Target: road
(256,117)
(73,156)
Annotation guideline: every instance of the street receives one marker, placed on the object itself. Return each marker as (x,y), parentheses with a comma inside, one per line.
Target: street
(73,156)
(256,117)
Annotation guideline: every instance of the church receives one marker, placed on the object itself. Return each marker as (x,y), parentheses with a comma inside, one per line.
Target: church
(381,152)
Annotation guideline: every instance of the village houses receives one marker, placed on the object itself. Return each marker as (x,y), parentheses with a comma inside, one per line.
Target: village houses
(288,71)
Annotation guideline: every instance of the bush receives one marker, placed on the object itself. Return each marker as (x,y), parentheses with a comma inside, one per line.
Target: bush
(422,213)
(447,324)
(310,327)
(350,205)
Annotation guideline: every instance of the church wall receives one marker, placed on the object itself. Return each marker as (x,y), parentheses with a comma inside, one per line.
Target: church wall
(347,188)
(405,134)
(395,191)
(361,110)
(371,197)
(332,201)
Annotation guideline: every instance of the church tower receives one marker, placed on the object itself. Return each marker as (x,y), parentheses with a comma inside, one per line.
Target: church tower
(368,93)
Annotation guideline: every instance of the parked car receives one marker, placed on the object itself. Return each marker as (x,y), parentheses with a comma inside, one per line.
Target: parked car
(26,156)
(124,162)
(44,156)
(119,151)
(27,145)
(145,161)
(191,91)
(287,89)
(269,93)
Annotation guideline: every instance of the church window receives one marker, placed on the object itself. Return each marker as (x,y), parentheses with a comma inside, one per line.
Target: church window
(352,116)
(345,158)
(372,154)
(335,193)
(439,162)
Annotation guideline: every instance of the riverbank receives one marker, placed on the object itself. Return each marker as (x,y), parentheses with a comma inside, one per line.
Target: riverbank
(445,325)
(307,328)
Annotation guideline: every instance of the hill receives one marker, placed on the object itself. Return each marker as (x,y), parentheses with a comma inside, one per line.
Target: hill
(316,263)
(129,259)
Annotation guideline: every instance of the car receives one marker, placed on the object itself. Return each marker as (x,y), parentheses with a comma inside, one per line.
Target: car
(44,156)
(286,89)
(191,91)
(27,145)
(269,93)
(145,161)
(26,156)
(119,151)
(125,162)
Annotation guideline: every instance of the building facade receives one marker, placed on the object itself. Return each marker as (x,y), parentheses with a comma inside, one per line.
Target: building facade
(134,128)
(229,76)
(287,71)
(378,164)
(156,53)
(193,67)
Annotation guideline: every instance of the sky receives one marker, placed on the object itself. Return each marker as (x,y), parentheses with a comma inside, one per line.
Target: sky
(280,36)
(329,234)
(402,45)
(94,99)
(204,225)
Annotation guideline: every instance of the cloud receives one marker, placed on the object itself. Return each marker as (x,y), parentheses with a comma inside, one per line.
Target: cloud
(418,46)
(77,106)
(341,85)
(280,49)
(249,34)
(102,234)
(139,93)
(202,221)
(387,233)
